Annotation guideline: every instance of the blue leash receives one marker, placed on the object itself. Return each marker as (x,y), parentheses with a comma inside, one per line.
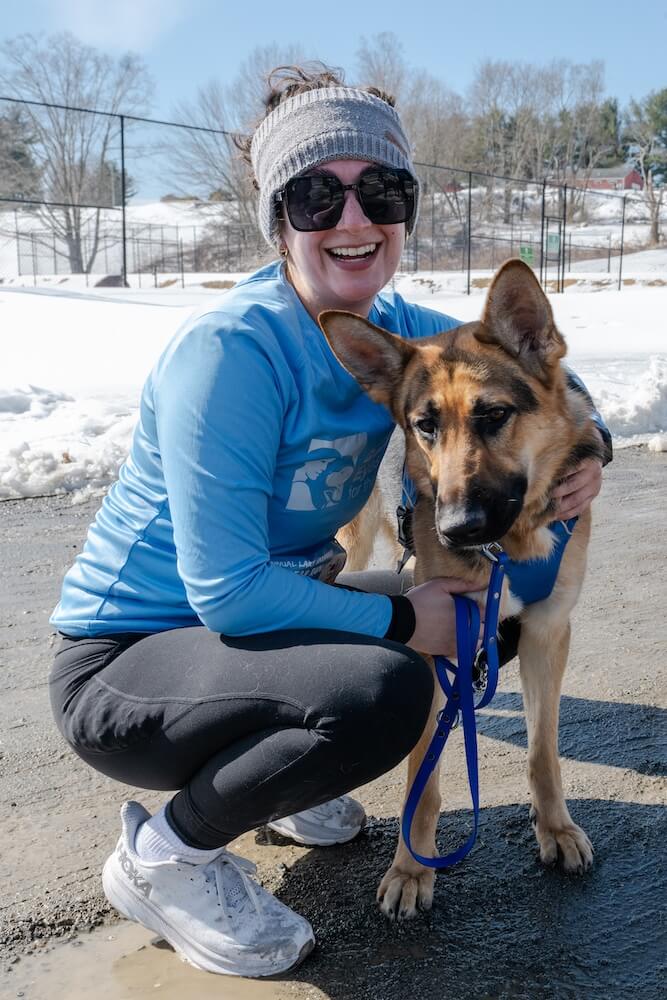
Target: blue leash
(460,700)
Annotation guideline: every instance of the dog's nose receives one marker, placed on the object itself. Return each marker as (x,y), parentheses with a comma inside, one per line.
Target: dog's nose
(464,527)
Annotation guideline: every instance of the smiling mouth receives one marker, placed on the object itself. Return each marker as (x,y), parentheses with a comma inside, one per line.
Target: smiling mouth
(353,253)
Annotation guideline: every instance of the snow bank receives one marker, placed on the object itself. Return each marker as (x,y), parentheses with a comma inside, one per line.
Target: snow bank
(658,443)
(642,408)
(73,363)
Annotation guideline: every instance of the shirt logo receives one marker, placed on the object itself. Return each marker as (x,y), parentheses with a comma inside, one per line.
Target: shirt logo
(321,480)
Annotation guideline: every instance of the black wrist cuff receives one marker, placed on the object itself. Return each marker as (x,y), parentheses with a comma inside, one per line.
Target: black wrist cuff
(403,619)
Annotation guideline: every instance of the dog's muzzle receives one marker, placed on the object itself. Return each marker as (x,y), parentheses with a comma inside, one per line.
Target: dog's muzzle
(483,518)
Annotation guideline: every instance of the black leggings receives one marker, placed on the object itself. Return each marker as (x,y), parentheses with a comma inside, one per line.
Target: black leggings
(247,729)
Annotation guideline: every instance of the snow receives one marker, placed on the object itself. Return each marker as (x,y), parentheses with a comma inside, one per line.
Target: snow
(74,361)
(658,443)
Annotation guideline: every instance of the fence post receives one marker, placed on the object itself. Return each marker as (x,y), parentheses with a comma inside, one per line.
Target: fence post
(180,253)
(620,263)
(561,254)
(544,196)
(432,230)
(609,254)
(123,199)
(469,223)
(18,241)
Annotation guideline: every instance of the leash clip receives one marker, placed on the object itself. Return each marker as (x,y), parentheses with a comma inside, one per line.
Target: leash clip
(441,717)
(404,519)
(492,551)
(480,670)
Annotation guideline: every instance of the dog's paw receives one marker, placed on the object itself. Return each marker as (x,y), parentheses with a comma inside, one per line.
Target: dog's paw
(403,893)
(566,842)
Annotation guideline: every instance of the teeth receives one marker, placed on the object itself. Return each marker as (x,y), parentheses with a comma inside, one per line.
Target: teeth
(353,251)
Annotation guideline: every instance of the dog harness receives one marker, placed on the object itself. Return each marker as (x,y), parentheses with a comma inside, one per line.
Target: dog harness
(533,580)
(475,671)
(530,580)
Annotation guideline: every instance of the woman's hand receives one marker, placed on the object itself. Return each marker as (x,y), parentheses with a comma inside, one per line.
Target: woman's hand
(435,631)
(576,492)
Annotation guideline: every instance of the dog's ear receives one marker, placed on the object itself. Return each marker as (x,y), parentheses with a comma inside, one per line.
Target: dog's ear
(376,359)
(518,317)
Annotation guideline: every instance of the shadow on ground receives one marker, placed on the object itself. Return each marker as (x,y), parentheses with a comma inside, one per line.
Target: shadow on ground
(619,734)
(502,925)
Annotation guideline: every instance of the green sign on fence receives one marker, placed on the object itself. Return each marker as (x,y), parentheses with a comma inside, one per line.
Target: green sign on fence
(553,243)
(526,253)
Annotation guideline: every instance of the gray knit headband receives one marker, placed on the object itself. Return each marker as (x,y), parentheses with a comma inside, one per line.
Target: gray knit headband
(332,123)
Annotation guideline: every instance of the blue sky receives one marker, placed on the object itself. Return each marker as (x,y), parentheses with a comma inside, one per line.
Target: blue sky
(185,43)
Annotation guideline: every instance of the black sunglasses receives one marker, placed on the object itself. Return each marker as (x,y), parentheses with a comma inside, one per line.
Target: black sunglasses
(315,201)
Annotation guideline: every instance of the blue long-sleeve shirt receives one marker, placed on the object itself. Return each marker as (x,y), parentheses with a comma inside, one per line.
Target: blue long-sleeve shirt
(253,447)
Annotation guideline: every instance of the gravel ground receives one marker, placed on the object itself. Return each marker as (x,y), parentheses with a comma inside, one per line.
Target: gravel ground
(502,925)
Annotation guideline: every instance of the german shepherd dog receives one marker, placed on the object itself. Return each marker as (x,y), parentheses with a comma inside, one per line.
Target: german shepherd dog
(491,426)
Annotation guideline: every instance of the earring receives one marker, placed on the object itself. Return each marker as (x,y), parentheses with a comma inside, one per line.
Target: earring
(282,250)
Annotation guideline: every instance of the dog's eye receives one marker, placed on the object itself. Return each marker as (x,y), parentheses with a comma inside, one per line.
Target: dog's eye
(426,426)
(497,414)
(489,420)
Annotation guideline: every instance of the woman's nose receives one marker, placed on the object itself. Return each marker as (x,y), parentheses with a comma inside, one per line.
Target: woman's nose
(353,216)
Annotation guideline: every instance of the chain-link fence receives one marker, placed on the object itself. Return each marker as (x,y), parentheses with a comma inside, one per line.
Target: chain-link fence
(472,222)
(126,200)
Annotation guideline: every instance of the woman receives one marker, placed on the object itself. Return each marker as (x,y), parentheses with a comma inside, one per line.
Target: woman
(206,647)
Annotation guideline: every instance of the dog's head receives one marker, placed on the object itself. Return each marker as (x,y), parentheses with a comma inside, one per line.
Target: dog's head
(482,406)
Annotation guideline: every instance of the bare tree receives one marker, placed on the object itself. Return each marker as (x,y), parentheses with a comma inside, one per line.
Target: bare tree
(503,101)
(436,121)
(380,63)
(73,148)
(646,134)
(537,122)
(209,164)
(579,138)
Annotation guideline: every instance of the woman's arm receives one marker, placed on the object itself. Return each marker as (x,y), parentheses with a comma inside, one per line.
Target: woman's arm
(220,409)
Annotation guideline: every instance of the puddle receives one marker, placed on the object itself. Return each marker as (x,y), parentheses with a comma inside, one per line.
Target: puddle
(125,962)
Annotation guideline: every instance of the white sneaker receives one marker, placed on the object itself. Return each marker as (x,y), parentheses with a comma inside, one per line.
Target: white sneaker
(332,822)
(214,915)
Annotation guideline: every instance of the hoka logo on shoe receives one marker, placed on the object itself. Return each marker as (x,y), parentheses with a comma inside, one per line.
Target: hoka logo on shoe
(130,869)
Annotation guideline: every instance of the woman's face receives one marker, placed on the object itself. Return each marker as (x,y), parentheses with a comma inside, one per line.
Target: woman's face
(324,280)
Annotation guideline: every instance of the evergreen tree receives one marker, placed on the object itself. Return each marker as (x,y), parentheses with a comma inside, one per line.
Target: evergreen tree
(20,176)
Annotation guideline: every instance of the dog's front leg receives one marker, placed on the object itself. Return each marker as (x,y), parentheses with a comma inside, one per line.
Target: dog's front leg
(408,886)
(543,651)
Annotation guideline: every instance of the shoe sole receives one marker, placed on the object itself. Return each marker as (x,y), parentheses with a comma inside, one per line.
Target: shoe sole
(141,912)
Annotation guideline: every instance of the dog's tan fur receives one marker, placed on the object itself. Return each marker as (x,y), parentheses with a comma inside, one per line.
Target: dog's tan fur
(485,363)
